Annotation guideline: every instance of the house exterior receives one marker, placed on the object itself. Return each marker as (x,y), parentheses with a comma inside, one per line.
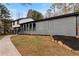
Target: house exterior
(66,24)
(16,24)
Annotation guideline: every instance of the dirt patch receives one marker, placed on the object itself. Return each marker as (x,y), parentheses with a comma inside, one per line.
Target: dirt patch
(39,46)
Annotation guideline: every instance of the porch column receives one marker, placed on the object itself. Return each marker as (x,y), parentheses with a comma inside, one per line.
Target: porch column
(23,28)
(28,27)
(32,27)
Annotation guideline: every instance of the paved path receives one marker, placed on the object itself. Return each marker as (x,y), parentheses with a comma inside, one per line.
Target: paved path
(7,48)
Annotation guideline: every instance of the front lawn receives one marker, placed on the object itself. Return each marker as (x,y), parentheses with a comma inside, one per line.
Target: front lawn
(39,46)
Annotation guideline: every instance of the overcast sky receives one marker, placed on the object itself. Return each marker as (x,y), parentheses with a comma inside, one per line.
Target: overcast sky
(18,10)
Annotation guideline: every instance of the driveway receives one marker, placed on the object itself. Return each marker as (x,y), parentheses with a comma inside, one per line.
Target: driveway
(7,48)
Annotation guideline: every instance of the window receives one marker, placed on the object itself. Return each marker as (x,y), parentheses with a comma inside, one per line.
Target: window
(17,21)
(34,26)
(13,23)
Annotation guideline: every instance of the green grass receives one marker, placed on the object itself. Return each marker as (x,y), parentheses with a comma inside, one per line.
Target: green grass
(39,45)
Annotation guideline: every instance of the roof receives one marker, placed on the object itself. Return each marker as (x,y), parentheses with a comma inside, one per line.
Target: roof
(55,17)
(22,18)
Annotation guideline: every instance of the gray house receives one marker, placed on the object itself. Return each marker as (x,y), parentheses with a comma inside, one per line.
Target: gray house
(59,25)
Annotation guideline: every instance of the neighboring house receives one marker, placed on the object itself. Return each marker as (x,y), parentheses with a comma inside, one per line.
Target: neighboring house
(66,24)
(16,24)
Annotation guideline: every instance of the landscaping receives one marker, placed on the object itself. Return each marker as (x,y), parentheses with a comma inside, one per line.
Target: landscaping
(29,45)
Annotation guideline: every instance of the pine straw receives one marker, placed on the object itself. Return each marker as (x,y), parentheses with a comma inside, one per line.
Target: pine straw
(29,45)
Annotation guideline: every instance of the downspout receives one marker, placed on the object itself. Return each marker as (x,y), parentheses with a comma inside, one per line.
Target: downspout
(76,27)
(76,21)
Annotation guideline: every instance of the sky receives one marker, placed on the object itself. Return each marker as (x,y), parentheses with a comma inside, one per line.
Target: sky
(18,11)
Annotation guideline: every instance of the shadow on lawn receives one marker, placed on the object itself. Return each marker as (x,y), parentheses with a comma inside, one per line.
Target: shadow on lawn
(72,42)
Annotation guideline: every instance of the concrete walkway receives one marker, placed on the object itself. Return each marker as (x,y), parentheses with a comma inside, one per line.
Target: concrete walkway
(7,48)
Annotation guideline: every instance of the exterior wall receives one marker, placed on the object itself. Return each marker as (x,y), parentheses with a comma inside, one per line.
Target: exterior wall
(21,21)
(15,25)
(42,27)
(78,25)
(62,26)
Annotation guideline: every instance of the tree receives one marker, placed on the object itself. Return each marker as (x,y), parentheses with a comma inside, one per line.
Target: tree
(4,12)
(56,5)
(29,14)
(34,14)
(65,7)
(5,19)
(49,13)
(76,7)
